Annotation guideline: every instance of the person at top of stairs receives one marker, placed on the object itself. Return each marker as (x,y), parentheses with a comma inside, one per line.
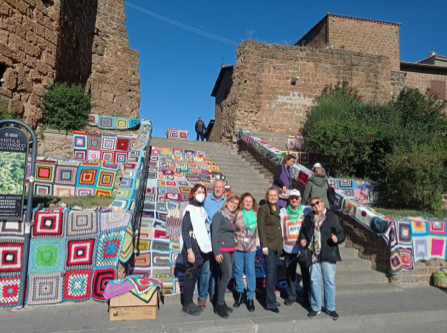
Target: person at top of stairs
(282,179)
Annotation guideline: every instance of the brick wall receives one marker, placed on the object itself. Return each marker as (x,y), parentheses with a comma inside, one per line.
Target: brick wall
(114,81)
(317,37)
(421,81)
(262,98)
(364,36)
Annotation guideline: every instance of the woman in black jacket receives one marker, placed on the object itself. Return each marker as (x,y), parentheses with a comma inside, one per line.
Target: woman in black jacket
(195,245)
(269,228)
(224,247)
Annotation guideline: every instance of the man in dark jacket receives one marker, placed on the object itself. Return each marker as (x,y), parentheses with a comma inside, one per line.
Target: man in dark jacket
(322,232)
(200,129)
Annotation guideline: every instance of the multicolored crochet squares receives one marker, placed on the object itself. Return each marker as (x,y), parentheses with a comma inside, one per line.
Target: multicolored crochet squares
(178,134)
(110,122)
(106,147)
(69,178)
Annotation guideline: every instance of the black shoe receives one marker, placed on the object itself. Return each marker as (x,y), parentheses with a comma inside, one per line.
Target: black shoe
(278,304)
(250,305)
(191,310)
(275,310)
(312,314)
(334,315)
(221,312)
(239,300)
(229,310)
(289,301)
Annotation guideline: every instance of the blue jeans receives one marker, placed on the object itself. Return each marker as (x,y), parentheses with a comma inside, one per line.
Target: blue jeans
(245,261)
(207,282)
(326,271)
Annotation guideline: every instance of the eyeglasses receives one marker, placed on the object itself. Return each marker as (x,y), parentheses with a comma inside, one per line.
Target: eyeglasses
(315,203)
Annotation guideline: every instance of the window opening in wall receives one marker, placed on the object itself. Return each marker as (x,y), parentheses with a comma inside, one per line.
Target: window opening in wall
(2,72)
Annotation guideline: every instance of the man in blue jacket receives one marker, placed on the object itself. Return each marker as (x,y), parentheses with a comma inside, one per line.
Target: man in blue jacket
(321,232)
(212,205)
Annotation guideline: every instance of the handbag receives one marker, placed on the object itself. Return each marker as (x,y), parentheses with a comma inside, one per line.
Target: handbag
(305,257)
(330,195)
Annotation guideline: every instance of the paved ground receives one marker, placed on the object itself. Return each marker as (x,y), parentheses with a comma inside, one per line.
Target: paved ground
(421,309)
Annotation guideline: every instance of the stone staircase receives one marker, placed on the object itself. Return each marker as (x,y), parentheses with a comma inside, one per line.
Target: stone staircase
(241,176)
(354,275)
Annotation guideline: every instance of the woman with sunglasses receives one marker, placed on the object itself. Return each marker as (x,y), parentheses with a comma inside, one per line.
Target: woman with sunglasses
(195,244)
(291,221)
(244,258)
(269,228)
(223,248)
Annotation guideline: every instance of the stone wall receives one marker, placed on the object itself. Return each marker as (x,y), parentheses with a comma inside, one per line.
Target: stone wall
(317,37)
(76,41)
(263,98)
(28,50)
(114,82)
(221,102)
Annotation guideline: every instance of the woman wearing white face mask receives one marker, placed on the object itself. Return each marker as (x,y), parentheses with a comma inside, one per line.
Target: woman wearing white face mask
(195,244)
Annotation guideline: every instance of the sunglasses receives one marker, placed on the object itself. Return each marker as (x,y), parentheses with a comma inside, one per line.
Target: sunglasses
(315,203)
(294,198)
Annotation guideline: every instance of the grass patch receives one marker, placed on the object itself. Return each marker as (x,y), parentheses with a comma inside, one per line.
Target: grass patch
(83,202)
(408,212)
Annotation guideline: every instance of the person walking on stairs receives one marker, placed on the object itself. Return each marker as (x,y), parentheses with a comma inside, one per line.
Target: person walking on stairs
(269,229)
(223,248)
(282,179)
(200,128)
(291,222)
(322,232)
(317,186)
(244,258)
(195,245)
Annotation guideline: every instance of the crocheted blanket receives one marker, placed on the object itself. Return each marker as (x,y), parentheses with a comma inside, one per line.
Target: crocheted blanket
(69,178)
(110,122)
(12,236)
(179,134)
(143,288)
(105,147)
(74,254)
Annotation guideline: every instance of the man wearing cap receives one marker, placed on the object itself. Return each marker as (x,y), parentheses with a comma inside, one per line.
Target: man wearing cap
(291,221)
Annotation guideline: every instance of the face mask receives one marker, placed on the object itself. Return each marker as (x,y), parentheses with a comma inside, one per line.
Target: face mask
(200,197)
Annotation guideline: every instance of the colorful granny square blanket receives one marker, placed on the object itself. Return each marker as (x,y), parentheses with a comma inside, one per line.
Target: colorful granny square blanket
(44,288)
(9,290)
(11,254)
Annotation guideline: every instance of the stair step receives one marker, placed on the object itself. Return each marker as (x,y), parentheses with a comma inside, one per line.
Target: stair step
(359,277)
(354,264)
(367,288)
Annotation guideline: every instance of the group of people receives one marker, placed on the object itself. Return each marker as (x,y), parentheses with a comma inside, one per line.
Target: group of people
(219,235)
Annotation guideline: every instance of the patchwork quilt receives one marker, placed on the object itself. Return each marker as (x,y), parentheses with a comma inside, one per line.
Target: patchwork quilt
(74,254)
(110,122)
(105,147)
(69,178)
(178,134)
(12,235)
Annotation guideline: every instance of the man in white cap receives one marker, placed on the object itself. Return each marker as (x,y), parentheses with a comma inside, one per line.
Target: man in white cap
(291,220)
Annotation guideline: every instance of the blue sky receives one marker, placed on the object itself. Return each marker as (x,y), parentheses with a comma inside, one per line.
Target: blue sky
(178,68)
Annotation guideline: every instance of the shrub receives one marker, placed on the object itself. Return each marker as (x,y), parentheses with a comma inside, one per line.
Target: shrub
(66,107)
(401,143)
